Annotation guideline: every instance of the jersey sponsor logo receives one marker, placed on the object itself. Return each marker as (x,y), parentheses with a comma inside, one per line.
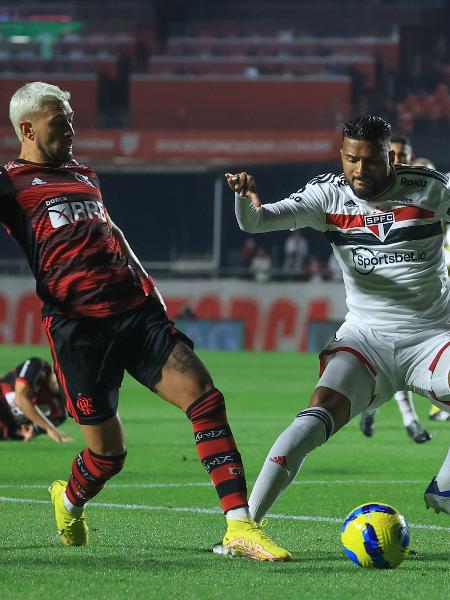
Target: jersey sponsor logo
(380,224)
(413,182)
(38,181)
(67,213)
(84,179)
(85,405)
(350,203)
(366,260)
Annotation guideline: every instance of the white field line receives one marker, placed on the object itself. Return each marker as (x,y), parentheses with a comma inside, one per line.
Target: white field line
(207,511)
(25,486)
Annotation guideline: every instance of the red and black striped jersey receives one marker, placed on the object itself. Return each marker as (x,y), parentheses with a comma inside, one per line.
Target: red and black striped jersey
(57,216)
(35,372)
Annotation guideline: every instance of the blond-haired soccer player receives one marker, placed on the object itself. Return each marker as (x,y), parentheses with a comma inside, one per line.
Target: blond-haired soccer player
(103,316)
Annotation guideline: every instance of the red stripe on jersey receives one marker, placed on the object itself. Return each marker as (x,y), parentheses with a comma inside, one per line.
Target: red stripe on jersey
(356,353)
(47,322)
(437,357)
(405,213)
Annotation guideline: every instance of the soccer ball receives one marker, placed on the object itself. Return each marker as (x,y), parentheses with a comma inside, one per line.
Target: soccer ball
(375,535)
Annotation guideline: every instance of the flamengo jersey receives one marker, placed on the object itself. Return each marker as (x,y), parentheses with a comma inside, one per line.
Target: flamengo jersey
(390,250)
(57,216)
(35,373)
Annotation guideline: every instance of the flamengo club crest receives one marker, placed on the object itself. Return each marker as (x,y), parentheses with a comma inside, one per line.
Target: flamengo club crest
(380,224)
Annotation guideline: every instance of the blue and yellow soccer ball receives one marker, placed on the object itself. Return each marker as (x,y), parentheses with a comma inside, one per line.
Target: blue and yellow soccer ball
(375,535)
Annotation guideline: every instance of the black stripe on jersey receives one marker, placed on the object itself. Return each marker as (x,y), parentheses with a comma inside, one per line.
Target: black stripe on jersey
(423,171)
(405,234)
(324,178)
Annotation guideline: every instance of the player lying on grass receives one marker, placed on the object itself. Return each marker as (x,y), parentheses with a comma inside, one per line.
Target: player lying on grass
(31,403)
(103,315)
(384,224)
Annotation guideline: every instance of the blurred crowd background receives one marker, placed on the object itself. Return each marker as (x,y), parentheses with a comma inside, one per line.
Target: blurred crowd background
(171,94)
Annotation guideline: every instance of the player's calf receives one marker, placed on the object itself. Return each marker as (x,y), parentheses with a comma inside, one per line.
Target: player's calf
(217,450)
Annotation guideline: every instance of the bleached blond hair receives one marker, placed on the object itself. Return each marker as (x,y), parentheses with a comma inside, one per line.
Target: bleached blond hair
(30,98)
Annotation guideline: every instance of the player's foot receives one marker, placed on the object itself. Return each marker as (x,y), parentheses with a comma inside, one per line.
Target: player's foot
(435,499)
(246,539)
(367,424)
(417,433)
(440,415)
(72,529)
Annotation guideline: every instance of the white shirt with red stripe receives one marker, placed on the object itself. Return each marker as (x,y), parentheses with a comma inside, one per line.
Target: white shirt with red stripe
(390,250)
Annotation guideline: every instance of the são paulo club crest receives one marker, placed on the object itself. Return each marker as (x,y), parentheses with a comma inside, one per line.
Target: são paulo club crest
(380,224)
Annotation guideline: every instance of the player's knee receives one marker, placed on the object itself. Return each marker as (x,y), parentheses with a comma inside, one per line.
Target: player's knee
(440,380)
(335,403)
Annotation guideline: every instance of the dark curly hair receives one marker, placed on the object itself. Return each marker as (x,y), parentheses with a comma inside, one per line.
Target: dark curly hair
(367,127)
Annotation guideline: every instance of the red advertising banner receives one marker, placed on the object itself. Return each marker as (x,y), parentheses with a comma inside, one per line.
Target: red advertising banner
(134,147)
(276,317)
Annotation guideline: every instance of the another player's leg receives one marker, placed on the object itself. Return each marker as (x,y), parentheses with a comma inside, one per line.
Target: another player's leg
(411,421)
(367,422)
(437,414)
(92,467)
(437,494)
(329,410)
(186,383)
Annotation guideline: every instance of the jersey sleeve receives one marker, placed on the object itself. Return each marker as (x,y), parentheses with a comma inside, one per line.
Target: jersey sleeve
(30,371)
(304,208)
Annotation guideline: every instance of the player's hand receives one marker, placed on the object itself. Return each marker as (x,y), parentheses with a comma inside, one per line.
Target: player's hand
(59,436)
(244,185)
(27,432)
(148,285)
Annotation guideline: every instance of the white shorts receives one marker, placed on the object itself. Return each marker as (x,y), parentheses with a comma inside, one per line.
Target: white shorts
(419,362)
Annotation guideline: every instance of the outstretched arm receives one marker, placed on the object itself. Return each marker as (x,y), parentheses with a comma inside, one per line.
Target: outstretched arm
(251,214)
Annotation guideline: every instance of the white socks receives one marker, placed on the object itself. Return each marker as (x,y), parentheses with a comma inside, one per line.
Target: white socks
(311,428)
(405,405)
(238,514)
(75,510)
(443,477)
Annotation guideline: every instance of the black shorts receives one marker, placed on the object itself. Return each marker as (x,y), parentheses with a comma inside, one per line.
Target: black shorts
(91,355)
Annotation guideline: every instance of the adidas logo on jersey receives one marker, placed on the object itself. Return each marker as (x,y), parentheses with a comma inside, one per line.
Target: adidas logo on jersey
(37,181)
(350,203)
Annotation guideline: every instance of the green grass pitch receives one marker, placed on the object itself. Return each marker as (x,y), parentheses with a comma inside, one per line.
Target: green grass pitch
(153,526)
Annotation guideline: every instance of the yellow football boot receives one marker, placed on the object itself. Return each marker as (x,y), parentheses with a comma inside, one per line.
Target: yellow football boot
(246,539)
(72,529)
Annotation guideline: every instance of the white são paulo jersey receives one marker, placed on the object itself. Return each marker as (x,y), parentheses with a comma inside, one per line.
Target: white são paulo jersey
(390,251)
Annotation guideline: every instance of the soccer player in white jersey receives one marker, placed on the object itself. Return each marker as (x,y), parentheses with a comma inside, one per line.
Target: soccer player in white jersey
(384,224)
(402,147)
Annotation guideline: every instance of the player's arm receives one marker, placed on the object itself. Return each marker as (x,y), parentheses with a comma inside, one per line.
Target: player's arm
(251,214)
(24,401)
(148,285)
(134,262)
